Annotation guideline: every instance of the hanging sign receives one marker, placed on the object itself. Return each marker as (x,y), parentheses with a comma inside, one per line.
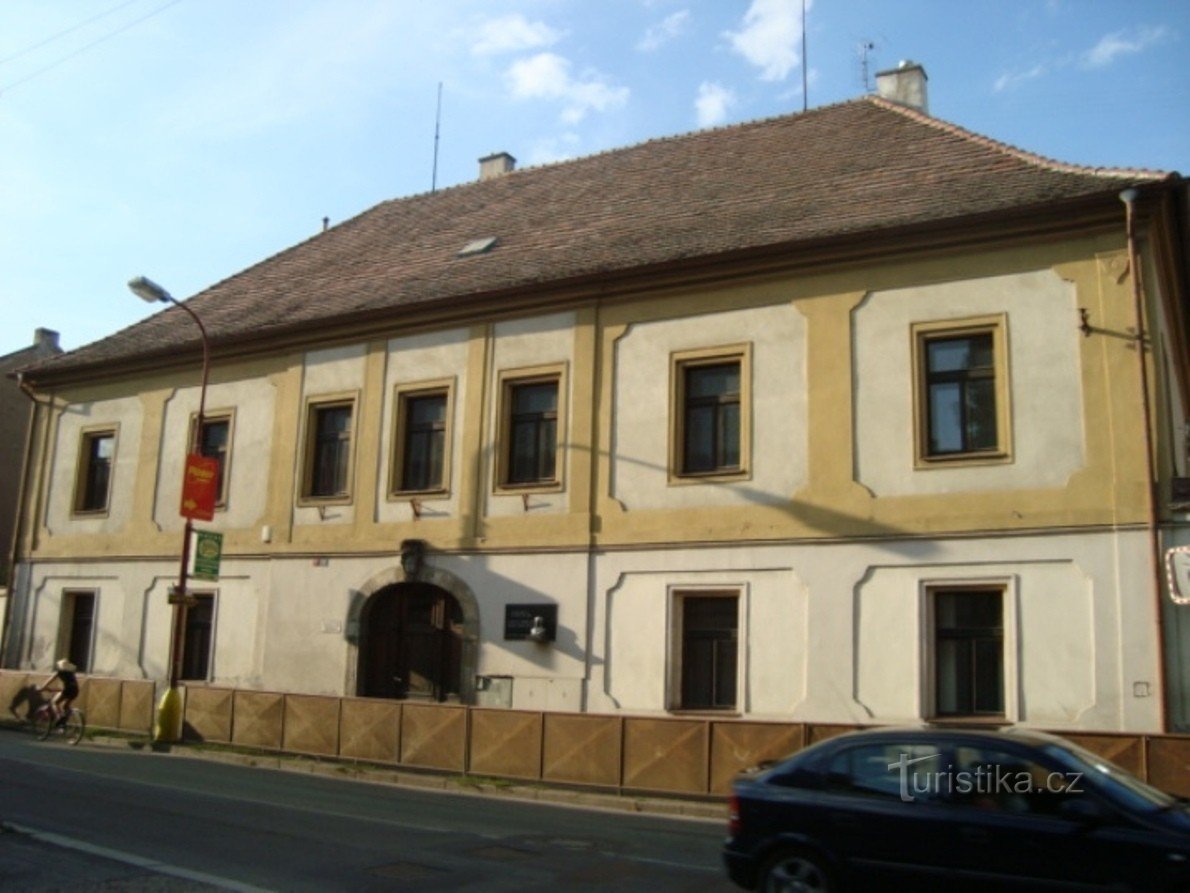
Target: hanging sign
(208,550)
(199,486)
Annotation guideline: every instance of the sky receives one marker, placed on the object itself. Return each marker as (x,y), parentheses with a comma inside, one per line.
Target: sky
(186,140)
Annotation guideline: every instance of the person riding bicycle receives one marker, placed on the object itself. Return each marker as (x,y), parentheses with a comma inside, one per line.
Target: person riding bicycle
(69,690)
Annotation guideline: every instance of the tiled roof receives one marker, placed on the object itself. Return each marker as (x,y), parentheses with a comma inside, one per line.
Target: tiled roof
(862,166)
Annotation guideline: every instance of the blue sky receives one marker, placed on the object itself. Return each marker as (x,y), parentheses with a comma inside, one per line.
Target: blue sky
(185,140)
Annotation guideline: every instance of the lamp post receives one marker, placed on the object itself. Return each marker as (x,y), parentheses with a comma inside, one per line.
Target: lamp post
(168,723)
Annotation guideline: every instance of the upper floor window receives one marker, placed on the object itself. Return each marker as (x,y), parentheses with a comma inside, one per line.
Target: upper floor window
(422,436)
(962,390)
(328,449)
(710,416)
(97,454)
(530,429)
(214,442)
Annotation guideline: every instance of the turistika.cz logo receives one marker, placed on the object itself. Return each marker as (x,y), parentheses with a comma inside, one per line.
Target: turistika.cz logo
(987,780)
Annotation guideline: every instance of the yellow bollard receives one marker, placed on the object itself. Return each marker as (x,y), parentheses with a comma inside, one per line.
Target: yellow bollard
(167,725)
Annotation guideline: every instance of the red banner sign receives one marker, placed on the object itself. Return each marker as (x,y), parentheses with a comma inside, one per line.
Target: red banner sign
(200,488)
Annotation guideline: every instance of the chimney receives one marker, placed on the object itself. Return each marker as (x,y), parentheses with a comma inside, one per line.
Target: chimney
(906,85)
(46,339)
(495,165)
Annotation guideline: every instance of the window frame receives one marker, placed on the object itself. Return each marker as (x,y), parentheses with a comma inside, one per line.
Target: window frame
(1006,589)
(924,333)
(67,620)
(508,381)
(88,436)
(679,364)
(215,417)
(315,405)
(678,670)
(402,395)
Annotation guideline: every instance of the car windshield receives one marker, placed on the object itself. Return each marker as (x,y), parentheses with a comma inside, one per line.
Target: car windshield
(1119,784)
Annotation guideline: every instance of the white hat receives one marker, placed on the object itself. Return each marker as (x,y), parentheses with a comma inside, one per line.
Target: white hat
(66,665)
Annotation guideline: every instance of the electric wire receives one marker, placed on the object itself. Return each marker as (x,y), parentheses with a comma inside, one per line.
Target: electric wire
(37,46)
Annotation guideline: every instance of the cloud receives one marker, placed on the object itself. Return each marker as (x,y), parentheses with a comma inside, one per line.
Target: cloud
(713,103)
(664,31)
(513,34)
(552,149)
(1013,79)
(1123,43)
(547,76)
(770,36)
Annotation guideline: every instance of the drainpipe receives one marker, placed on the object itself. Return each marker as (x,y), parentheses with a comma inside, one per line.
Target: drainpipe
(1129,197)
(22,489)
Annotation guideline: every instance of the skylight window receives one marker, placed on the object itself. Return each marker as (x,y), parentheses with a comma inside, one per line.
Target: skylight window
(477,246)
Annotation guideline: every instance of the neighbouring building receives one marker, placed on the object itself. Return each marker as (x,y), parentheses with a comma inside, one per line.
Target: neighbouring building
(845,416)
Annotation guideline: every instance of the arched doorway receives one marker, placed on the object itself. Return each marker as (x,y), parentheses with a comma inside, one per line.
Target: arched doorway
(411,643)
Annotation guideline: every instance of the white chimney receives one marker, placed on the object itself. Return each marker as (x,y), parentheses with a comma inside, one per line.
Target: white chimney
(906,85)
(495,165)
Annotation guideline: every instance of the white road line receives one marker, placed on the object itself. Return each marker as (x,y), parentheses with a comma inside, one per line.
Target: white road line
(136,861)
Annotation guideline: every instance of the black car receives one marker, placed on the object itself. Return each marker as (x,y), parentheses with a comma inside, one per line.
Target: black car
(954,809)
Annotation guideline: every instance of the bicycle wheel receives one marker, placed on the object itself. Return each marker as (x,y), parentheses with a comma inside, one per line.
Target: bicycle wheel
(43,723)
(76,725)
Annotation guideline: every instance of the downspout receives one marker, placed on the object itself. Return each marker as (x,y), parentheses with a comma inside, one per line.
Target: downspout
(1128,197)
(22,489)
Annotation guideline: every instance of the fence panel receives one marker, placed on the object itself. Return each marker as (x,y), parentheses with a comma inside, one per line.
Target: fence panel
(505,743)
(370,730)
(15,694)
(311,725)
(1169,763)
(208,714)
(1126,751)
(582,749)
(258,718)
(434,736)
(103,702)
(136,705)
(666,755)
(736,746)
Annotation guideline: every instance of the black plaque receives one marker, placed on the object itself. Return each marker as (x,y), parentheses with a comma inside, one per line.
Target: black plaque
(518,620)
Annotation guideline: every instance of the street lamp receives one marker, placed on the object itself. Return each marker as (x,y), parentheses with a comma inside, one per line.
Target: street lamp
(168,724)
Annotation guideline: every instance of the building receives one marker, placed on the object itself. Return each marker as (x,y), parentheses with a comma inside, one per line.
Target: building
(846,416)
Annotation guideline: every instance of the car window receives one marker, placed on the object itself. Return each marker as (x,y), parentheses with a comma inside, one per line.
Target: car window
(907,771)
(995,779)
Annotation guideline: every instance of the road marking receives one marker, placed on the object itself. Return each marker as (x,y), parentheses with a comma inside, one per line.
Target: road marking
(134,860)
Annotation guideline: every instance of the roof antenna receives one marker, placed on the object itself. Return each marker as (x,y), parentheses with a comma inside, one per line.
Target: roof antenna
(437,127)
(865,49)
(805,75)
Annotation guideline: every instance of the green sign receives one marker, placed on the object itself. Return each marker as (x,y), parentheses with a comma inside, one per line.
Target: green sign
(208,549)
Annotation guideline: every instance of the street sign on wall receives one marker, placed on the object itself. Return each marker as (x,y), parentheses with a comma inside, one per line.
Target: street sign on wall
(199,488)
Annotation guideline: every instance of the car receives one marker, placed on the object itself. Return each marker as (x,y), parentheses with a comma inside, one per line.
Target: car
(954,808)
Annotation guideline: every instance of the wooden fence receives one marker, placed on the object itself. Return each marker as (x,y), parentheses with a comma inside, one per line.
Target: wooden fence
(671,755)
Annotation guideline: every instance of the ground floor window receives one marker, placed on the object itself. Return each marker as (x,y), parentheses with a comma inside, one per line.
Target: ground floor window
(968,652)
(708,645)
(197,636)
(77,630)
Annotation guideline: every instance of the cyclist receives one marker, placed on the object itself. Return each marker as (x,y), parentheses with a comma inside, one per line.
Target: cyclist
(68,691)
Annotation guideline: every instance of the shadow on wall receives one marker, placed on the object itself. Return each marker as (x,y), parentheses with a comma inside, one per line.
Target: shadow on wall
(30,698)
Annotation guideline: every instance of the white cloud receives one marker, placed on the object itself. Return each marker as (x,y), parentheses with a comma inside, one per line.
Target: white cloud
(664,31)
(770,37)
(513,34)
(552,149)
(1013,79)
(713,103)
(547,76)
(1122,43)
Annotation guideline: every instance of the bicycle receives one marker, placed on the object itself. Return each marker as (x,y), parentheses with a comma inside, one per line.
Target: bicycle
(72,728)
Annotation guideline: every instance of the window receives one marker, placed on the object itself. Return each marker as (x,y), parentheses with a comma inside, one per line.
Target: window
(892,771)
(531,431)
(77,628)
(197,627)
(968,652)
(710,413)
(962,393)
(709,651)
(422,439)
(214,442)
(328,445)
(97,454)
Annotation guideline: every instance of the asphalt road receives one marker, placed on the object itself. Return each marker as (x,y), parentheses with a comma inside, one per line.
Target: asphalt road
(93,818)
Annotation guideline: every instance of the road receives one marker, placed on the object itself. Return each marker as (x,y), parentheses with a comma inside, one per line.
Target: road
(109,819)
